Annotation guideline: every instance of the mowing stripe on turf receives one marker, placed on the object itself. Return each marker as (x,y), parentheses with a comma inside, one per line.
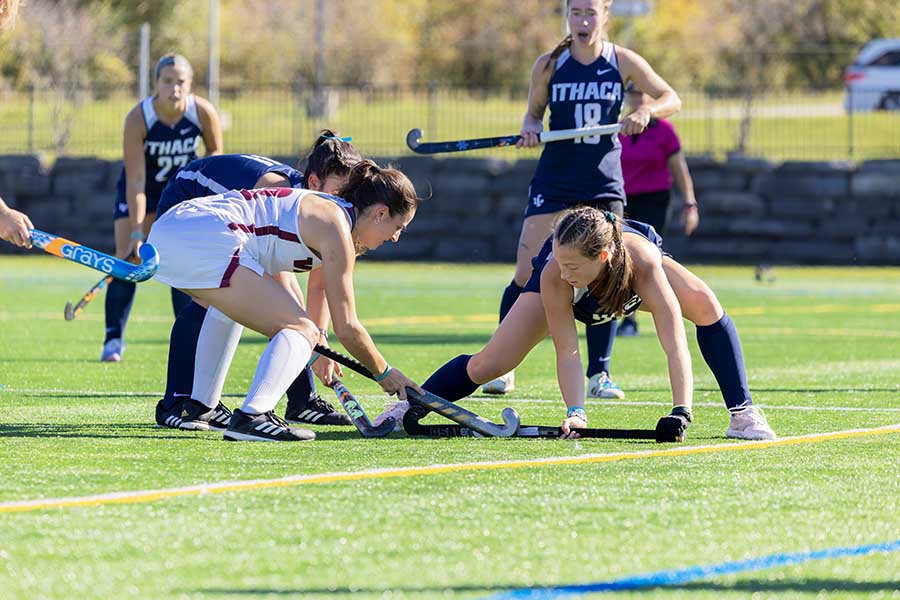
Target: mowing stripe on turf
(596,402)
(689,574)
(295,480)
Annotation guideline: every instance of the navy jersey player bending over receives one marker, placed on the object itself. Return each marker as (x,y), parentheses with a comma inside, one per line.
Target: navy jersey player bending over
(582,82)
(327,167)
(595,268)
(162,134)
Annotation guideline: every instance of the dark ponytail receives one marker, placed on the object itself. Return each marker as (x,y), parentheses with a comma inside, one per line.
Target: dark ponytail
(591,231)
(370,184)
(557,52)
(330,156)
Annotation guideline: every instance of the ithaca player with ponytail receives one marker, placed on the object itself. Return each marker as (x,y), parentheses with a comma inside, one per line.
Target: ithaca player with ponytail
(582,83)
(594,268)
(327,167)
(162,134)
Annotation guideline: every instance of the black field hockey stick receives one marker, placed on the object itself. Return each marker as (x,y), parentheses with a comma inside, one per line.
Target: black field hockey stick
(445,408)
(358,415)
(662,433)
(414,136)
(73,311)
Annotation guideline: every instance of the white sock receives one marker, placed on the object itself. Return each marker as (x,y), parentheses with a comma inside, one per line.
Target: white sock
(280,364)
(219,337)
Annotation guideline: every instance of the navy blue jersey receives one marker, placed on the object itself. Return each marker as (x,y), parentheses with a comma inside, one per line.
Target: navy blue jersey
(166,149)
(585,307)
(218,174)
(583,169)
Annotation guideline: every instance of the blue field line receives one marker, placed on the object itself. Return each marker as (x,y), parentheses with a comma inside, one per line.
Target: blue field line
(689,574)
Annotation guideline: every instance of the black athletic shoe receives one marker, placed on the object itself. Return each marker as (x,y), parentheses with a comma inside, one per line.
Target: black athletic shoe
(198,416)
(267,427)
(316,412)
(168,418)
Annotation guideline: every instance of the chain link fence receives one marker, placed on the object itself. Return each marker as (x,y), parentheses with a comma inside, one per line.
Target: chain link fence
(284,119)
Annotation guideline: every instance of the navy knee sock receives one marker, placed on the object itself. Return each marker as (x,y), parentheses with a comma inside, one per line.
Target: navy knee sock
(182,352)
(451,381)
(510,294)
(721,349)
(179,301)
(600,339)
(301,390)
(119,299)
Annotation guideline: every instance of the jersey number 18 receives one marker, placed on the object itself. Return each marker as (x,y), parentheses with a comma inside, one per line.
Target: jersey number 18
(588,115)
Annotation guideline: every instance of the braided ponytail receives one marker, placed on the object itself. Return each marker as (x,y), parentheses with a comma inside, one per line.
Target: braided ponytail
(557,52)
(592,231)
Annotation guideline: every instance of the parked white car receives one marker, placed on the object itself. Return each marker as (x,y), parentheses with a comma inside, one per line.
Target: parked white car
(873,80)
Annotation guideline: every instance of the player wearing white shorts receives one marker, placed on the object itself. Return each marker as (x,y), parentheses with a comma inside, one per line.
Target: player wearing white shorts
(224,250)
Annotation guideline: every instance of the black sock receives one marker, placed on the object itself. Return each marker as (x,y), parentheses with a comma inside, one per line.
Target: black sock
(182,352)
(301,390)
(600,340)
(119,299)
(721,349)
(510,294)
(451,382)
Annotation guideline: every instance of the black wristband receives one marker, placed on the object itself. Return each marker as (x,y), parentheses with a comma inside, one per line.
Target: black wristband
(682,411)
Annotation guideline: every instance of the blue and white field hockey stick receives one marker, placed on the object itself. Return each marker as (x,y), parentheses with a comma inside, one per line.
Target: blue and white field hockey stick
(94,259)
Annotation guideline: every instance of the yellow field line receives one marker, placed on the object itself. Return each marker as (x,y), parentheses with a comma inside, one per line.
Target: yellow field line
(296,480)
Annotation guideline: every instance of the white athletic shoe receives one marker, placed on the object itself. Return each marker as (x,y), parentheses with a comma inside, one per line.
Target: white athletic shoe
(601,386)
(502,385)
(749,424)
(113,351)
(396,410)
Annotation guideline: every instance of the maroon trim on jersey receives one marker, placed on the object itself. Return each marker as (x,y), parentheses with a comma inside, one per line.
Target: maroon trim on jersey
(232,267)
(254,194)
(267,230)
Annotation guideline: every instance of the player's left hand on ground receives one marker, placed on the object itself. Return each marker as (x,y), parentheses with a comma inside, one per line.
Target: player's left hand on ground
(673,427)
(396,383)
(573,422)
(636,122)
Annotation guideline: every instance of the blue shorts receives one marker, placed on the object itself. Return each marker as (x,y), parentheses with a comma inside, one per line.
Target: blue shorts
(121,209)
(540,203)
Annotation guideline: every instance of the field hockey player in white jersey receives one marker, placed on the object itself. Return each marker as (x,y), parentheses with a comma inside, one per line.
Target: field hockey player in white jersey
(224,251)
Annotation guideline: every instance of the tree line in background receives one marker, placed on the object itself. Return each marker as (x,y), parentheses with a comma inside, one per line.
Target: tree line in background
(480,43)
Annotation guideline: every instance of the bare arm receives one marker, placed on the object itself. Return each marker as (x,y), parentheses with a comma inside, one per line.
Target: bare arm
(538,98)
(211,126)
(14,226)
(665,101)
(679,169)
(556,296)
(135,177)
(651,285)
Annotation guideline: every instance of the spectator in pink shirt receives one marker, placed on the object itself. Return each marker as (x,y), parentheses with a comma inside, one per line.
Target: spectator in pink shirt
(651,161)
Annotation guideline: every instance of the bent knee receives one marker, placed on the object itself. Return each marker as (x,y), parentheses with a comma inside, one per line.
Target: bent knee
(305,327)
(482,368)
(702,307)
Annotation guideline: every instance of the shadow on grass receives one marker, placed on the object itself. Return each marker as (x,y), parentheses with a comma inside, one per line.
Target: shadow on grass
(476,340)
(813,586)
(95,431)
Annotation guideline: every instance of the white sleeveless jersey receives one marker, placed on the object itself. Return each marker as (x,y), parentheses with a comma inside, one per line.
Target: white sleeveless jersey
(204,240)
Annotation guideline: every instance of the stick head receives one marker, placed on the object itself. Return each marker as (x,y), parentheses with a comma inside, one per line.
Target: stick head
(149,264)
(69,312)
(413,137)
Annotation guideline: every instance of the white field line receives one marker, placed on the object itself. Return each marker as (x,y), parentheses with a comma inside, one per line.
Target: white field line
(141,496)
(594,402)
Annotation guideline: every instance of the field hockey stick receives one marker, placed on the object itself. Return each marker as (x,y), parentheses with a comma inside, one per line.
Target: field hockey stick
(414,136)
(445,408)
(353,409)
(94,259)
(73,311)
(666,430)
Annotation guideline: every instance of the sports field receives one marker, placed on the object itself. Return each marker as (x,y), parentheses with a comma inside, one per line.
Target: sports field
(160,513)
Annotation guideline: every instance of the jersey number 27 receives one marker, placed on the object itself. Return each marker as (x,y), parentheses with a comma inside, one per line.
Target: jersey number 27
(165,164)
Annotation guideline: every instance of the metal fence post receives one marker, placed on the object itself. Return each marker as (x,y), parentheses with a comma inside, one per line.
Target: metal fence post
(850,105)
(31,119)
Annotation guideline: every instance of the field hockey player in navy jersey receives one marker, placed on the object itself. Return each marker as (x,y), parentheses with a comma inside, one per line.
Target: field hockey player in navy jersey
(327,167)
(582,82)
(595,268)
(162,134)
